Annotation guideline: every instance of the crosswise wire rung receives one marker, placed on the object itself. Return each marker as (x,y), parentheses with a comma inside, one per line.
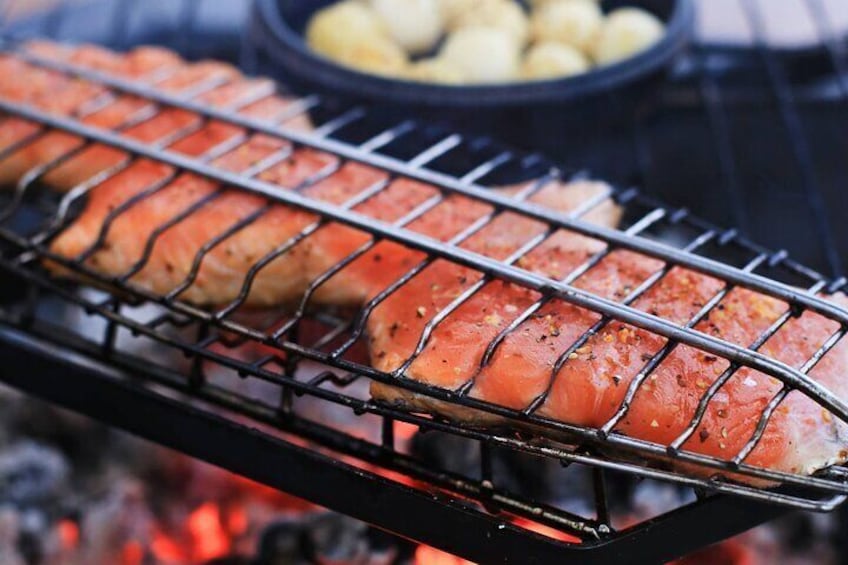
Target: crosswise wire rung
(446,182)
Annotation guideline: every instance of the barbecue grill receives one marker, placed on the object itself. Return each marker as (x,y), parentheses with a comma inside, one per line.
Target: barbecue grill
(271,441)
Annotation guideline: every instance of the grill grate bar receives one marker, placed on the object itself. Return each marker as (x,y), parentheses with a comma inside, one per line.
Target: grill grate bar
(837,50)
(796,135)
(446,182)
(720,129)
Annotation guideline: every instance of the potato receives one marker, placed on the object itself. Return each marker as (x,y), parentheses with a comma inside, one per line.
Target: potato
(537,3)
(626,32)
(452,10)
(416,25)
(483,54)
(436,70)
(334,29)
(550,59)
(378,55)
(502,14)
(572,22)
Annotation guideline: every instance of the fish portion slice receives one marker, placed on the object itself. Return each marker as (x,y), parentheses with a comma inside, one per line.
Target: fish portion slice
(184,236)
(429,320)
(210,82)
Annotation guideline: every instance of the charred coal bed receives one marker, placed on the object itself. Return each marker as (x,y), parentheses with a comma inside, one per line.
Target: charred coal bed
(74,492)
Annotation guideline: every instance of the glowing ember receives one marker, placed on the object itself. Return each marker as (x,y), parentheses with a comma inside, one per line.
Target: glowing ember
(69,534)
(546,531)
(133,554)
(426,555)
(237,522)
(167,550)
(405,431)
(210,539)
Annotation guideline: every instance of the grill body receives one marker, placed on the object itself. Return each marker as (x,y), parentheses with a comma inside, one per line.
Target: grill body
(218,422)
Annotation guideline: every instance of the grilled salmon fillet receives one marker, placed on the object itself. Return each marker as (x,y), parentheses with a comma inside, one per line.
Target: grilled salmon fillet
(180,235)
(186,213)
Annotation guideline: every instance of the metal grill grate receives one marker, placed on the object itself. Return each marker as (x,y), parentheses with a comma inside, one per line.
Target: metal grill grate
(647,224)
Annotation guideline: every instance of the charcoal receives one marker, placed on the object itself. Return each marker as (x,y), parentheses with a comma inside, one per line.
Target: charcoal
(324,538)
(31,474)
(281,544)
(335,538)
(10,537)
(531,476)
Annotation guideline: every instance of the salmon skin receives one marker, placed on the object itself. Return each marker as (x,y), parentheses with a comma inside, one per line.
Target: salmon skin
(191,239)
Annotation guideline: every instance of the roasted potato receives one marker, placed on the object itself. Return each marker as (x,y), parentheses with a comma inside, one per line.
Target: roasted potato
(507,15)
(483,54)
(416,25)
(550,59)
(625,32)
(572,22)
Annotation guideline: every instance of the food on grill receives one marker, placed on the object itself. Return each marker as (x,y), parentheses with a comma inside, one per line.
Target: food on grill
(167,265)
(591,383)
(448,326)
(133,116)
(458,42)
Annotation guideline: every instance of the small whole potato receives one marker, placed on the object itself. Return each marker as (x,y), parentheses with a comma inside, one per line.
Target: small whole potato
(550,59)
(537,3)
(436,70)
(416,25)
(483,54)
(627,31)
(334,29)
(378,55)
(452,10)
(572,22)
(507,15)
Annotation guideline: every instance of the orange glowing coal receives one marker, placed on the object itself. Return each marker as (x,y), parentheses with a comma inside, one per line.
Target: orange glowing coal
(426,555)
(546,531)
(69,534)
(166,549)
(132,554)
(208,535)
(207,531)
